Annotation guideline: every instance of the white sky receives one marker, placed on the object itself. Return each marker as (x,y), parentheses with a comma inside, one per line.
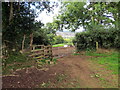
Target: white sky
(45,18)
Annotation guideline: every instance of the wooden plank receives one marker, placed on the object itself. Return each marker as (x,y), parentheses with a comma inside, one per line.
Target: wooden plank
(39,57)
(36,54)
(43,52)
(37,50)
(38,46)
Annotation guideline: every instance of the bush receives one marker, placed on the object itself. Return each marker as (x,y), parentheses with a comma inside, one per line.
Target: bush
(59,40)
(68,40)
(105,38)
(15,57)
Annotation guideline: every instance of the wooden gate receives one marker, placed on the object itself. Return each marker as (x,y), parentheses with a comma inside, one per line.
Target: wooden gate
(40,52)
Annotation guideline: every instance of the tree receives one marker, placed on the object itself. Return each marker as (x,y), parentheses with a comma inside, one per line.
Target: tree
(19,22)
(94,16)
(59,39)
(72,15)
(113,8)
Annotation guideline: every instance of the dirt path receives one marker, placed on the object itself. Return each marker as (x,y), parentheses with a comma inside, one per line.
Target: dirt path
(79,68)
(76,67)
(62,51)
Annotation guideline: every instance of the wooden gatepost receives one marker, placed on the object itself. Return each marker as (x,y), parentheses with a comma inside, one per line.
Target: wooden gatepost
(48,51)
(40,52)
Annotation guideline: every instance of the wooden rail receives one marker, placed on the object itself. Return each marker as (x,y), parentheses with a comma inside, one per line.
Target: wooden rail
(40,52)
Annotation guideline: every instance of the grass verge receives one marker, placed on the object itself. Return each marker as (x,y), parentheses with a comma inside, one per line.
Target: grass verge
(16,61)
(110,60)
(106,66)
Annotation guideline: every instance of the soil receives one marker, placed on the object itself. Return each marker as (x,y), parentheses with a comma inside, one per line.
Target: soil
(62,51)
(76,67)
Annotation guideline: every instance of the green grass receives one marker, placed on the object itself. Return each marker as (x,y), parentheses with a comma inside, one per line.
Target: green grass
(16,61)
(58,45)
(15,57)
(110,60)
(10,68)
(95,54)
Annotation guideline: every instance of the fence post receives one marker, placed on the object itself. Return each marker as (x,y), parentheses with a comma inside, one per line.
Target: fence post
(51,56)
(96,45)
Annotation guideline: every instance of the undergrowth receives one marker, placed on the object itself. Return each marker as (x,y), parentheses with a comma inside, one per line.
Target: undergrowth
(15,61)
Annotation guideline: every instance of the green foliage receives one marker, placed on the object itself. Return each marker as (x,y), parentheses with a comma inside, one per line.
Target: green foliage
(41,37)
(21,23)
(68,40)
(54,60)
(51,38)
(92,16)
(46,61)
(15,57)
(71,15)
(15,61)
(59,39)
(17,65)
(105,39)
(18,20)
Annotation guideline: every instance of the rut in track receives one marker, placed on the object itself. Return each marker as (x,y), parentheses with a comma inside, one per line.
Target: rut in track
(79,68)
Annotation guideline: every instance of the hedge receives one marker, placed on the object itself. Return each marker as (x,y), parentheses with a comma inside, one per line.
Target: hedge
(105,39)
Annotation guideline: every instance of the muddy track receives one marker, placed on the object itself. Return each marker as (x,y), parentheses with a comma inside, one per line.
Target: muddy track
(79,69)
(62,51)
(74,66)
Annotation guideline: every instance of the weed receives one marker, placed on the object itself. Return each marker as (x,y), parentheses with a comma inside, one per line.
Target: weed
(76,54)
(60,77)
(47,61)
(15,57)
(9,68)
(54,60)
(102,79)
(45,84)
(96,75)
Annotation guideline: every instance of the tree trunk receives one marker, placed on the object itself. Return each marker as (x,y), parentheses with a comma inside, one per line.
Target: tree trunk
(23,42)
(11,12)
(31,40)
(18,6)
